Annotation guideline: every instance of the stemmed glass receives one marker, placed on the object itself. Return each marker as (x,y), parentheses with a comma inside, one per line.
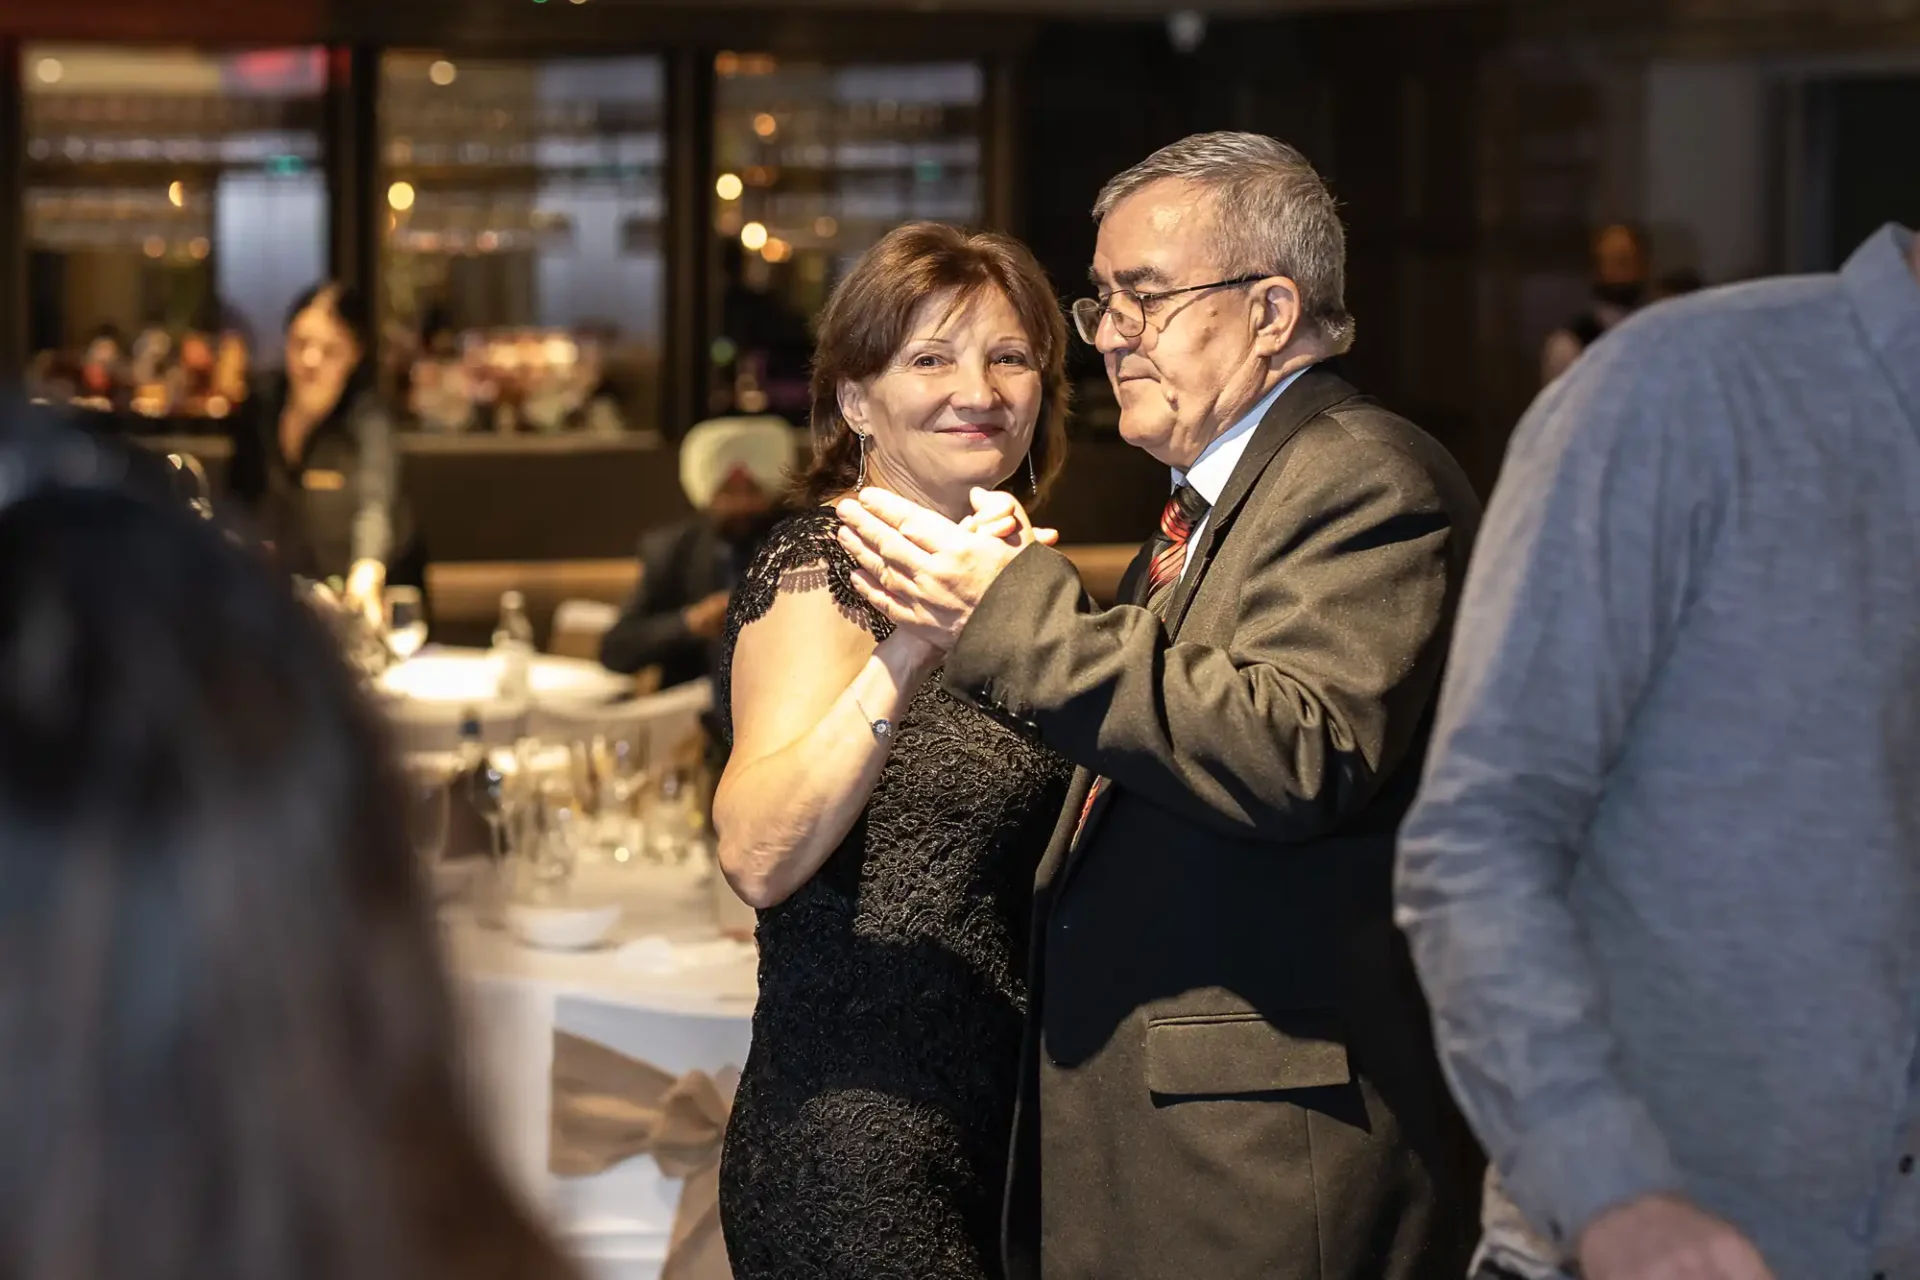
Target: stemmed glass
(673,820)
(556,847)
(620,770)
(429,810)
(406,621)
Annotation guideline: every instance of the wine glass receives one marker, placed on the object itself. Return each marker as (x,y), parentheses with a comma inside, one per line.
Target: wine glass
(429,810)
(620,768)
(556,849)
(406,621)
(672,819)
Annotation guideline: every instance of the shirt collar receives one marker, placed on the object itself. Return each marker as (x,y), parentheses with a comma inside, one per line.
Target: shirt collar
(1882,289)
(1214,467)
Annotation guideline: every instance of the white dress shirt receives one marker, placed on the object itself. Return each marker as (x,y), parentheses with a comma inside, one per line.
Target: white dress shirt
(1214,467)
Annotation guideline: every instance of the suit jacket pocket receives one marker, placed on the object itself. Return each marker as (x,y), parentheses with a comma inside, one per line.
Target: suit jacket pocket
(1233,1054)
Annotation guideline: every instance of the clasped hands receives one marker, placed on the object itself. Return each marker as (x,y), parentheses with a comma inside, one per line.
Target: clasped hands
(924,572)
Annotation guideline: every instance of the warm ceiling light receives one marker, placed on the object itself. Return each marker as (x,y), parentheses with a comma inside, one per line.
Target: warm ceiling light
(488,241)
(727,186)
(443,73)
(50,70)
(826,228)
(177,194)
(753,236)
(400,196)
(776,250)
(199,248)
(726,63)
(155,246)
(765,125)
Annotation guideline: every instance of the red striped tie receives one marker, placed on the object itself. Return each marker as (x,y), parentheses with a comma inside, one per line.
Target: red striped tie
(1178,519)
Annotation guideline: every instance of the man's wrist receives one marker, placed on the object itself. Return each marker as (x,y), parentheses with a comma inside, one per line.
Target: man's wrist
(908,658)
(1599,1157)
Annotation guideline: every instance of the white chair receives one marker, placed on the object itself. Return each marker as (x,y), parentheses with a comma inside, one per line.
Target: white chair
(578,626)
(667,720)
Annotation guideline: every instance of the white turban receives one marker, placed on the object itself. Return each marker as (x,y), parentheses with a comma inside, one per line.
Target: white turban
(715,449)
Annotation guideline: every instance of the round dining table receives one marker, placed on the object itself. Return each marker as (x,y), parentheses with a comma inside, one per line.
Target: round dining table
(665,989)
(427,696)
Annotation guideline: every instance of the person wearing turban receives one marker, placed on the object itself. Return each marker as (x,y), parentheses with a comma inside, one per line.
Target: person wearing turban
(734,471)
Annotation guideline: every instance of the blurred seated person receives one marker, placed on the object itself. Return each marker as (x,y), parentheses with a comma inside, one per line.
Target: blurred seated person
(732,470)
(229,1043)
(316,462)
(1619,287)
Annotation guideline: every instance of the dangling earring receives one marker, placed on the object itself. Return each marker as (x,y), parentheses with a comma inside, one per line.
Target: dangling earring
(861,483)
(1033,481)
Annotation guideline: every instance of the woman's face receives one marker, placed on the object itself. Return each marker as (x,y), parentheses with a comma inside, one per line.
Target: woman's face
(956,405)
(322,353)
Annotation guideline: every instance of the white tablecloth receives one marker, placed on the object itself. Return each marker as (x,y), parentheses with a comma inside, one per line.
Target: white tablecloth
(426,695)
(695,1017)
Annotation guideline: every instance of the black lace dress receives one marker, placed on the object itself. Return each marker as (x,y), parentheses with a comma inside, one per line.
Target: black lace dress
(869,1136)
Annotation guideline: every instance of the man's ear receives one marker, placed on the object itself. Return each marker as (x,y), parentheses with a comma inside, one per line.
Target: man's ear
(1279,320)
(853,404)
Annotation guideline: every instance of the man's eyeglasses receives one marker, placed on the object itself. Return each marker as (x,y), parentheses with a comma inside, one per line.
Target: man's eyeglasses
(1130,308)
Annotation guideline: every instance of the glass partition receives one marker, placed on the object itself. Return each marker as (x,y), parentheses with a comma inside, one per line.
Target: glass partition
(175,206)
(814,162)
(523,283)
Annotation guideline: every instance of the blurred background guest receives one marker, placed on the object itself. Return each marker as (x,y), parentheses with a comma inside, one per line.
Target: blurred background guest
(732,470)
(228,1041)
(315,459)
(1619,286)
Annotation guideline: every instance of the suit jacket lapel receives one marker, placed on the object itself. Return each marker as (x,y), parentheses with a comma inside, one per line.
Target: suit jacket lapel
(1312,393)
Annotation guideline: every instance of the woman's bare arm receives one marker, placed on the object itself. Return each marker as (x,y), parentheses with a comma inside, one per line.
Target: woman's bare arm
(808,682)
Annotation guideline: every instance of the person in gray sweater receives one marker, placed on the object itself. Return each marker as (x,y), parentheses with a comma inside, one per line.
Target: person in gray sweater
(1662,882)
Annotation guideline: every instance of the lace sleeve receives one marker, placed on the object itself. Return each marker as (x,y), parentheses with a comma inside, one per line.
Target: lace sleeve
(801,554)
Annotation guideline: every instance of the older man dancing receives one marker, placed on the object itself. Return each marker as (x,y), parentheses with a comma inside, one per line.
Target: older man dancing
(1229,1069)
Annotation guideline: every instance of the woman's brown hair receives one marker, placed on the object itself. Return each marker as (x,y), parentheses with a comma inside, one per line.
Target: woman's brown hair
(870,315)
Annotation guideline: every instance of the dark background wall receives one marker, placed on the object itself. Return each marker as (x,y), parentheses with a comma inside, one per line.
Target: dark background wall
(1388,110)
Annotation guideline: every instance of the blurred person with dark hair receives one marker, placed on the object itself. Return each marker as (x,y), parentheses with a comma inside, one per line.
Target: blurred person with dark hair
(887,833)
(1619,287)
(229,1044)
(316,461)
(734,471)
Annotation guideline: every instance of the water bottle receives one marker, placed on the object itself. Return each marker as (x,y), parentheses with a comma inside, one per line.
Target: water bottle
(513,649)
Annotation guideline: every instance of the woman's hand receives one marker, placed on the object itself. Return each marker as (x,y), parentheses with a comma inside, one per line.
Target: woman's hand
(366,585)
(1000,515)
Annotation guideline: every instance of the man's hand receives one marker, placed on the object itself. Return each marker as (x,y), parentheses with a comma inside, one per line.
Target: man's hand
(918,568)
(1665,1237)
(706,617)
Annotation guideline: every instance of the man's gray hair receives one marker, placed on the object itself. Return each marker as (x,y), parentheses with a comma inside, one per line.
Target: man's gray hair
(1272,216)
